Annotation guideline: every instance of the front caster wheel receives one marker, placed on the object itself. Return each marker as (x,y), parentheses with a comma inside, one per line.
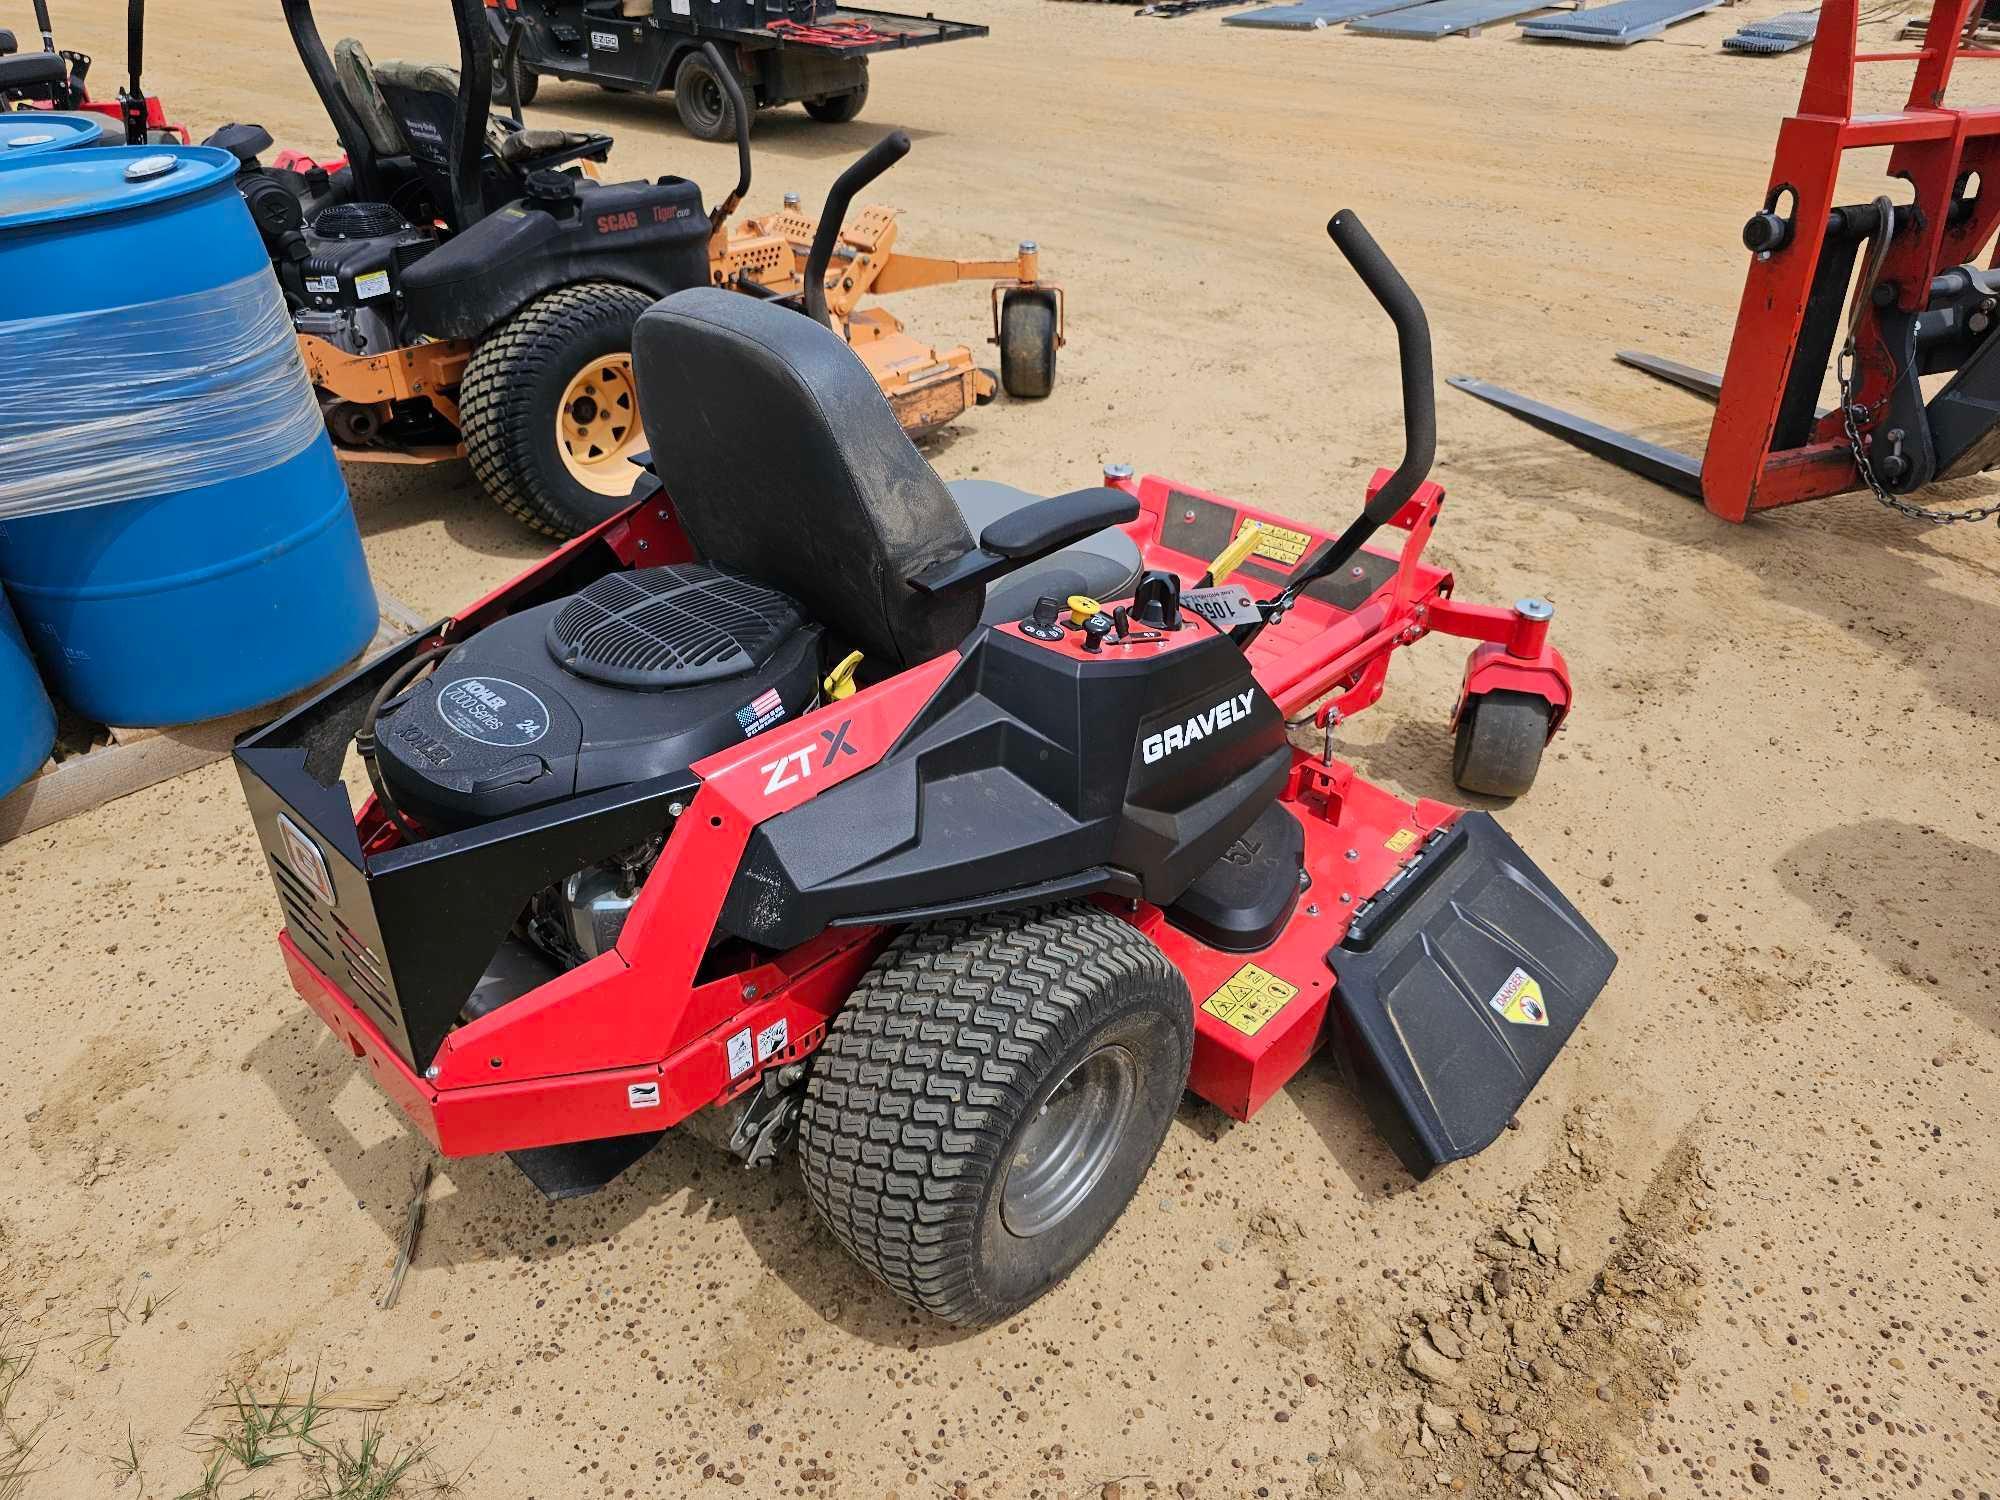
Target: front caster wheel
(1028,344)
(1501,736)
(989,1099)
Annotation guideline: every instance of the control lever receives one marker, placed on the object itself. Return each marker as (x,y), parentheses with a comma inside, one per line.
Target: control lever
(883,155)
(740,113)
(1157,600)
(1413,348)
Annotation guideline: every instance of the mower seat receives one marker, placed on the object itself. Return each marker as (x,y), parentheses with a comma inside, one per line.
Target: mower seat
(1105,566)
(786,462)
(32,70)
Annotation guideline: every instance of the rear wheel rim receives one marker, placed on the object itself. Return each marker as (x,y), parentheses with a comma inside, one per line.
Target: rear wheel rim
(709,100)
(597,426)
(1064,1151)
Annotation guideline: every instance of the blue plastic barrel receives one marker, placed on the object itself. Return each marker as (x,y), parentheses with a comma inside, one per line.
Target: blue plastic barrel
(191,600)
(35,132)
(27,722)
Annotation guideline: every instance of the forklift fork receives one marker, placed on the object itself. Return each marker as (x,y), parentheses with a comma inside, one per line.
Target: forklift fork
(1925,310)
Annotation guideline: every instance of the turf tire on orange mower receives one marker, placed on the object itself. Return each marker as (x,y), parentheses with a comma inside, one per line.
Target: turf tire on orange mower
(549,412)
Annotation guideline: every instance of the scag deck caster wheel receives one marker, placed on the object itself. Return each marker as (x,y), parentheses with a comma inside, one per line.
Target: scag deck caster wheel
(1501,736)
(1028,344)
(989,1099)
(549,410)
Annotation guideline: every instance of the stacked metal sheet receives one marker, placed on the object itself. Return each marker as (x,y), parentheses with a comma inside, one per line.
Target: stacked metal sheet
(1441,18)
(1781,33)
(1311,15)
(1616,25)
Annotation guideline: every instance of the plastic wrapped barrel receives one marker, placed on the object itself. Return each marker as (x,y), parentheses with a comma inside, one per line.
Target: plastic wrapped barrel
(36,132)
(27,722)
(174,531)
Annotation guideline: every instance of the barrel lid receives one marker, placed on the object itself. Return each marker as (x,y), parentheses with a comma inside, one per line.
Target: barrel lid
(58,185)
(29,132)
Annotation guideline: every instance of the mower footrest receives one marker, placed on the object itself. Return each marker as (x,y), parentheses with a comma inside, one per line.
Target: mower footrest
(576,1170)
(1457,986)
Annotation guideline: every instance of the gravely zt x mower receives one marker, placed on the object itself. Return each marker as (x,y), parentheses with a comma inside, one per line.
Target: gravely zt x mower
(782,809)
(1921,306)
(466,278)
(55,79)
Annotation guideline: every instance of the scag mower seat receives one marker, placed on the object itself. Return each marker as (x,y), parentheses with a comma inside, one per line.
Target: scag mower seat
(356,71)
(785,462)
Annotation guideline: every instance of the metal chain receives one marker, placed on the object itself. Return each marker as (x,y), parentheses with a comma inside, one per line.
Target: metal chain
(1853,414)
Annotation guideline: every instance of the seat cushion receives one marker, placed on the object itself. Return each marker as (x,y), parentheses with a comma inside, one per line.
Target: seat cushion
(1104,565)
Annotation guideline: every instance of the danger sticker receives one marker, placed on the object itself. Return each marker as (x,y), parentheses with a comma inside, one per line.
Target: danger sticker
(1519,1000)
(739,1053)
(1400,840)
(1278,544)
(642,1095)
(1249,998)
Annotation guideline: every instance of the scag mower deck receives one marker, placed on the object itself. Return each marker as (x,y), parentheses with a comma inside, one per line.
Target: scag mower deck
(789,832)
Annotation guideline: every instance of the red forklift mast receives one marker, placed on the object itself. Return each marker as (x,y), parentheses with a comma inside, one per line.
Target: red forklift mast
(1921,305)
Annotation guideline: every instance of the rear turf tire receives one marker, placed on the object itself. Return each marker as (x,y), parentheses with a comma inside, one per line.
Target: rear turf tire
(989,1099)
(511,403)
(1027,344)
(838,109)
(703,105)
(1501,736)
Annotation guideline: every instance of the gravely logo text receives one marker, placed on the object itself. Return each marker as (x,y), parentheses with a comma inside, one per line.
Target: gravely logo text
(1179,736)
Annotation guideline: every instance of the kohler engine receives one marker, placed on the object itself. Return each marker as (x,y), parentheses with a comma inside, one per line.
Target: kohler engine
(632,680)
(347,280)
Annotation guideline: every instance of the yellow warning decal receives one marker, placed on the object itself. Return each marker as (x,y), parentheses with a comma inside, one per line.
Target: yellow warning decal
(1278,544)
(1519,1000)
(1401,839)
(1248,998)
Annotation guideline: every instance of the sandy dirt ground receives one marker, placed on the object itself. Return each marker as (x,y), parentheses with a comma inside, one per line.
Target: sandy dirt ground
(1745,1238)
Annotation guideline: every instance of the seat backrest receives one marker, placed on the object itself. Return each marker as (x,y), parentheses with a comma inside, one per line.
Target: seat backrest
(356,72)
(783,461)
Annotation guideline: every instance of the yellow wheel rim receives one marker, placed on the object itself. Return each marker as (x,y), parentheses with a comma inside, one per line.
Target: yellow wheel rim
(597,427)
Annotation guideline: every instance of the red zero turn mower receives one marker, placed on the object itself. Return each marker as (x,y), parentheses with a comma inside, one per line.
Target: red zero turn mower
(781,808)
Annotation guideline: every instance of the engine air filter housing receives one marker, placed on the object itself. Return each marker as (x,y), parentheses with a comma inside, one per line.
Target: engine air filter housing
(670,627)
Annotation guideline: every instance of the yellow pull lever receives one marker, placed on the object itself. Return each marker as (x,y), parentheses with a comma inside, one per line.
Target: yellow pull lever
(839,682)
(1082,607)
(1233,556)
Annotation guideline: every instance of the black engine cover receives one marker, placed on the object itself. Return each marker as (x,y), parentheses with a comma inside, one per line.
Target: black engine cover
(356,254)
(502,726)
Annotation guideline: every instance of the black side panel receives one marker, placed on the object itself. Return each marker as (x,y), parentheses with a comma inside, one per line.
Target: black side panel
(1242,902)
(1458,985)
(1028,767)
(653,236)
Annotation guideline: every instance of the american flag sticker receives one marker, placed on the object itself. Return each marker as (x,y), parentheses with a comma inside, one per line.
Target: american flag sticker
(760,713)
